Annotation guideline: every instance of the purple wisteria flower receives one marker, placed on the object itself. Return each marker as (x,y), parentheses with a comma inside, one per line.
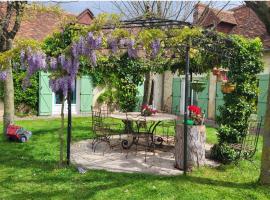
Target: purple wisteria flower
(132,51)
(35,61)
(113,45)
(155,45)
(3,75)
(53,63)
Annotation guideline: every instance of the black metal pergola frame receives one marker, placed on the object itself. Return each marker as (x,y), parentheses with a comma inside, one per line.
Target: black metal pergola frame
(149,23)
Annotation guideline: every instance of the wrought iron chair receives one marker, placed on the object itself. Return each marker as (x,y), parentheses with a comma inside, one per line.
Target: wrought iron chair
(166,127)
(140,135)
(248,146)
(103,131)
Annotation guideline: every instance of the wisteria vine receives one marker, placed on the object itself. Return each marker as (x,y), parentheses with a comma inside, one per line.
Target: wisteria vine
(65,67)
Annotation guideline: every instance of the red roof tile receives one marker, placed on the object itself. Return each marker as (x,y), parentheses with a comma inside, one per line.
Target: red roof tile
(240,20)
(39,25)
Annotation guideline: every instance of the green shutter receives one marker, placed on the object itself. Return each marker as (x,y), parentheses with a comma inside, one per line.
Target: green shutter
(140,97)
(86,94)
(219,97)
(203,97)
(262,98)
(45,94)
(176,95)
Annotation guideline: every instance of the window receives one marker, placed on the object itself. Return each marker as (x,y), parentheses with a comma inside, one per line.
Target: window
(73,96)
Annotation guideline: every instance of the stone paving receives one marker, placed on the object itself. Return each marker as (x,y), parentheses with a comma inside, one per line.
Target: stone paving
(160,162)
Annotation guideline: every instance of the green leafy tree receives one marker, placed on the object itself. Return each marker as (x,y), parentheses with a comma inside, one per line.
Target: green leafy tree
(262,9)
(11,16)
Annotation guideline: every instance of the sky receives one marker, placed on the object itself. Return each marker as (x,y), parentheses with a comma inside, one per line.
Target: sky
(77,7)
(97,7)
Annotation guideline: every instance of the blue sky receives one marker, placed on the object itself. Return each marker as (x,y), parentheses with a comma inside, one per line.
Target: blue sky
(96,7)
(106,6)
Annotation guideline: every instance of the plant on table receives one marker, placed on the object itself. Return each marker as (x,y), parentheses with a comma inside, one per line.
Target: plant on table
(147,110)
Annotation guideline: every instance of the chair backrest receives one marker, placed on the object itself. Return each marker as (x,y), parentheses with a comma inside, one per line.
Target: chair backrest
(97,122)
(250,141)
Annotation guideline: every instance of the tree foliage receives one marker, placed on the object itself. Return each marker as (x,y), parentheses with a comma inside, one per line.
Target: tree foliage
(244,66)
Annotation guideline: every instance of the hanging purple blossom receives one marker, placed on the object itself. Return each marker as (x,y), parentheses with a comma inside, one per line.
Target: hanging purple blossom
(132,51)
(93,58)
(35,61)
(53,63)
(112,44)
(22,56)
(3,75)
(155,45)
(123,42)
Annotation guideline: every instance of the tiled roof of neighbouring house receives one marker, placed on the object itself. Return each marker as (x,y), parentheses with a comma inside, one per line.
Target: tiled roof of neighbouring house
(240,20)
(38,25)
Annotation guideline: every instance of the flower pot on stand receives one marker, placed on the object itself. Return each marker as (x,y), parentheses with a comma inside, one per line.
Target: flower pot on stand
(228,88)
(198,86)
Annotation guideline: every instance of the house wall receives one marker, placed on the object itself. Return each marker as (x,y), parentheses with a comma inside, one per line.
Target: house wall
(266,60)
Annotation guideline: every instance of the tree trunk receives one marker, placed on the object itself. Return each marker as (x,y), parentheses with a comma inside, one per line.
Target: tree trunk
(265,161)
(61,135)
(147,88)
(262,10)
(8,117)
(195,143)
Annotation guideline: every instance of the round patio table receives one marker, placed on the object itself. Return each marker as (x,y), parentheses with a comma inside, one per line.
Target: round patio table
(155,119)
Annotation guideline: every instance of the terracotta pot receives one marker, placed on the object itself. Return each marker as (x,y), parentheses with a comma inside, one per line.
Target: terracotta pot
(228,88)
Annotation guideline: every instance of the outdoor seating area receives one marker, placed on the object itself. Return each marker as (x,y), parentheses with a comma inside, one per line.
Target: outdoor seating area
(160,100)
(135,143)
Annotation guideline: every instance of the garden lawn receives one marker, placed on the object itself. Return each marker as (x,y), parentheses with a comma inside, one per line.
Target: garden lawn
(29,171)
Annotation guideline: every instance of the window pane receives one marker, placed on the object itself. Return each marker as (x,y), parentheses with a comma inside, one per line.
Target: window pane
(73,96)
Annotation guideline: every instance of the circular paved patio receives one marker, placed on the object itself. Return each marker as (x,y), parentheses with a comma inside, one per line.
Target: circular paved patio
(118,160)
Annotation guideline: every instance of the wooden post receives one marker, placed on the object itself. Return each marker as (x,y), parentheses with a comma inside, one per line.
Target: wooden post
(195,146)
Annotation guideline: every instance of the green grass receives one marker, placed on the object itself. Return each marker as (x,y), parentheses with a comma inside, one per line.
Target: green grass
(29,171)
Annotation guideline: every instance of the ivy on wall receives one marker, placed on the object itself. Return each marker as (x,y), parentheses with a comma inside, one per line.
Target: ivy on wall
(122,73)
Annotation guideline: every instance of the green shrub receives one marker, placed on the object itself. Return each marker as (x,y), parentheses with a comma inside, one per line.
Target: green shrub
(244,66)
(25,100)
(224,153)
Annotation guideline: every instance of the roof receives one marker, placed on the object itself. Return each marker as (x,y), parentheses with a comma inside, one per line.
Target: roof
(216,15)
(41,24)
(240,20)
(85,17)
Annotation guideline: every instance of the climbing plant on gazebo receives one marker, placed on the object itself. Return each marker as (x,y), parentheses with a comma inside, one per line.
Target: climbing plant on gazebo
(181,46)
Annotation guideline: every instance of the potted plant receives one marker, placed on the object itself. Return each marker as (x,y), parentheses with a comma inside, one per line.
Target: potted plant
(147,110)
(221,74)
(228,88)
(216,71)
(195,115)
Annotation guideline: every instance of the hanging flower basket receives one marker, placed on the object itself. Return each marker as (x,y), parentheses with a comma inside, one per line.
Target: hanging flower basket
(228,88)
(198,86)
(216,71)
(221,74)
